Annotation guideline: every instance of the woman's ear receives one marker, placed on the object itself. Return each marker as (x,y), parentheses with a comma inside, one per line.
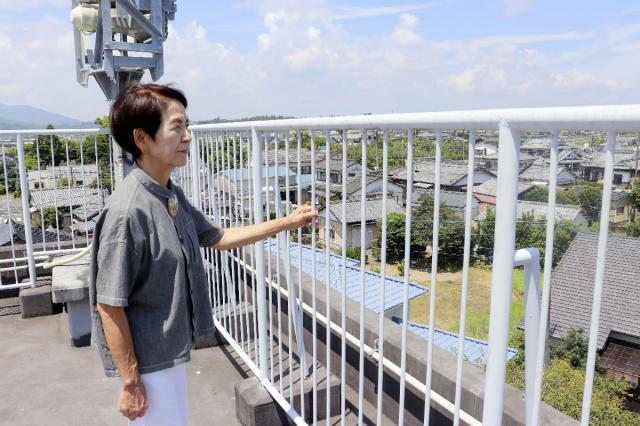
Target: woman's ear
(140,139)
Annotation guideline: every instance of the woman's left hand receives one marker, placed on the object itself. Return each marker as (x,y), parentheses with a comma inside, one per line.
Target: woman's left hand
(301,216)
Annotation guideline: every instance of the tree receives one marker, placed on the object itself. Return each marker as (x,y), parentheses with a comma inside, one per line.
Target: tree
(538,193)
(450,240)
(49,214)
(633,229)
(590,200)
(573,347)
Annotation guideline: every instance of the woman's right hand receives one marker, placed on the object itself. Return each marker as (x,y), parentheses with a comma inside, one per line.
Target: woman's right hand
(133,400)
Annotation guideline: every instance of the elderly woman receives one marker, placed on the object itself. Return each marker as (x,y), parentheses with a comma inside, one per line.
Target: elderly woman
(149,297)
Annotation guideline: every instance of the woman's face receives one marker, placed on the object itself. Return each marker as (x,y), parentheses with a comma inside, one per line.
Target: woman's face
(170,147)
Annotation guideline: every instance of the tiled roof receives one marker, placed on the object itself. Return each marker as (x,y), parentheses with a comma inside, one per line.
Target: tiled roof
(373,209)
(490,187)
(621,358)
(622,161)
(450,173)
(336,164)
(394,288)
(475,351)
(16,231)
(455,200)
(65,197)
(540,173)
(354,183)
(246,173)
(539,210)
(8,202)
(572,285)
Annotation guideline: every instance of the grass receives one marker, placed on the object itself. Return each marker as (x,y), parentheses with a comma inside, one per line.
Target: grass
(448,293)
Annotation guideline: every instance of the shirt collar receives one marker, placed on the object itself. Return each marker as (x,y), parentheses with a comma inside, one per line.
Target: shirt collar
(151,184)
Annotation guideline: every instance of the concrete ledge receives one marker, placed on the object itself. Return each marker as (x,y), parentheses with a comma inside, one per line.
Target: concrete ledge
(70,283)
(254,405)
(36,302)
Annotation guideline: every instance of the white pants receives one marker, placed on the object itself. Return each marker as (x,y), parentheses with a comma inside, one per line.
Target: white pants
(167,398)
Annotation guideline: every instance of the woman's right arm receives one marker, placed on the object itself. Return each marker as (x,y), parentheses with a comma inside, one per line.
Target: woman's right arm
(133,401)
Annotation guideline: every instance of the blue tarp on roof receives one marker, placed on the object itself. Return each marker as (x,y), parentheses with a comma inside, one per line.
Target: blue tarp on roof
(475,351)
(393,288)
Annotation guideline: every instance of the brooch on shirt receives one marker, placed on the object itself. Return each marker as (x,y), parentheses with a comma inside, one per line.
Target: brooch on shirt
(172,206)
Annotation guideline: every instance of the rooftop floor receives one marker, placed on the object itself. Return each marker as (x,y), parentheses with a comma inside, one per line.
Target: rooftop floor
(47,381)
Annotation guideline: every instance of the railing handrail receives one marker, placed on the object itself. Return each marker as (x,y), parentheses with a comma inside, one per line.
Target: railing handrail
(56,132)
(596,118)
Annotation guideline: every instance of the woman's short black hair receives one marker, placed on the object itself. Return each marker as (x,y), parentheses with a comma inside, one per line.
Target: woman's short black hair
(140,106)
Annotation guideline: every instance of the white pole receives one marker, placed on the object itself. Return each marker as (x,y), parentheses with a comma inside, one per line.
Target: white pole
(502,277)
(259,254)
(24,191)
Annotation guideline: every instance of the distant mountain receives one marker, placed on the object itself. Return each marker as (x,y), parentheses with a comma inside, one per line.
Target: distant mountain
(28,117)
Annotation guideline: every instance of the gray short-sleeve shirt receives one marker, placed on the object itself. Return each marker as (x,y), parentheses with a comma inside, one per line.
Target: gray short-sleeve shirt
(150,263)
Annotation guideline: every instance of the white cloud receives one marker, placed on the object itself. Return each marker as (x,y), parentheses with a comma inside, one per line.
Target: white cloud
(22,5)
(516,7)
(405,32)
(343,13)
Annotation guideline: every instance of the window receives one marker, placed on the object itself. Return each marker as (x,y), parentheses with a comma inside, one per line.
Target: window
(620,210)
(36,185)
(305,170)
(617,179)
(332,234)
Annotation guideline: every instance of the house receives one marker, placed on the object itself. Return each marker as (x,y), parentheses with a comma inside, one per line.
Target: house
(476,351)
(453,175)
(237,186)
(373,212)
(624,168)
(563,212)
(486,192)
(540,147)
(490,161)
(10,208)
(456,201)
(336,173)
(484,149)
(572,284)
(57,176)
(539,173)
(354,188)
(309,260)
(621,212)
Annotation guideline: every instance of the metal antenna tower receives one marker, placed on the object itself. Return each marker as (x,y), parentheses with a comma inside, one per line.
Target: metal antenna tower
(116,41)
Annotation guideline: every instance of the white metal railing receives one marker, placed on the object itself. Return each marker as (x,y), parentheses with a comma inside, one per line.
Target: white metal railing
(263,136)
(35,166)
(228,178)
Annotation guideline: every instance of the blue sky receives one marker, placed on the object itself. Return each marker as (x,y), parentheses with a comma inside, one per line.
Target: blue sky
(313,57)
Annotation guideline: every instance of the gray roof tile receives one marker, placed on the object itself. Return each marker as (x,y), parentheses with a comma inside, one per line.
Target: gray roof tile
(572,286)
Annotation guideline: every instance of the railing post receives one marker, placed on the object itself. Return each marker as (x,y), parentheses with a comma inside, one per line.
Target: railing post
(194,156)
(26,217)
(530,259)
(258,216)
(502,276)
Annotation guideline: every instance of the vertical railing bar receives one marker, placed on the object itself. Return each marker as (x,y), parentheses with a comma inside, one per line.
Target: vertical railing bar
(84,194)
(302,356)
(211,265)
(241,252)
(278,201)
(287,260)
(363,239)
(113,184)
(465,274)
(69,180)
(599,278)
(44,240)
(98,185)
(237,251)
(234,253)
(254,279)
(259,267)
(313,280)
(434,273)
(407,267)
(24,192)
(343,295)
(383,272)
(546,286)
(10,219)
(267,191)
(231,262)
(223,255)
(214,180)
(55,189)
(502,275)
(327,194)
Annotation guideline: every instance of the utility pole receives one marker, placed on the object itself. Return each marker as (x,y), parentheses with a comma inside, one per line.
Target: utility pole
(120,27)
